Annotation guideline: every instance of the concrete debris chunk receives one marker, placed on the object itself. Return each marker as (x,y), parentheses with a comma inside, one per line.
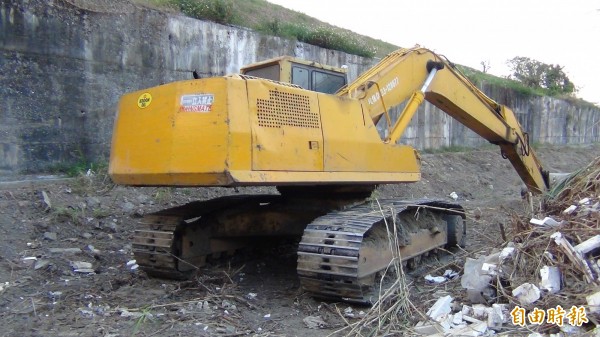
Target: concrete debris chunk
(92,249)
(50,236)
(315,322)
(479,311)
(507,252)
(474,330)
(47,201)
(588,245)
(550,279)
(571,330)
(573,255)
(584,201)
(467,310)
(428,328)
(440,308)
(82,267)
(39,264)
(457,318)
(476,281)
(593,302)
(526,293)
(454,196)
(495,317)
(570,209)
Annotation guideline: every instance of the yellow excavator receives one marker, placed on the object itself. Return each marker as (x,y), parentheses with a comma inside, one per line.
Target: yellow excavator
(299,126)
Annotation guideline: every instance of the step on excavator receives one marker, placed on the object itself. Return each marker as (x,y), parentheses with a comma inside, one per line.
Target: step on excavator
(298,125)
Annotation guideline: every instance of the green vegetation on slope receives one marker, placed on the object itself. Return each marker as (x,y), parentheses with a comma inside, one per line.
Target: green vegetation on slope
(272,19)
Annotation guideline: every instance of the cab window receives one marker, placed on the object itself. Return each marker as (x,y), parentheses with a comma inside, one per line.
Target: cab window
(270,72)
(326,83)
(300,77)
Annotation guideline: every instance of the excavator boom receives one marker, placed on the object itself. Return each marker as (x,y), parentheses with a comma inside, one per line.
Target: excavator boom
(414,75)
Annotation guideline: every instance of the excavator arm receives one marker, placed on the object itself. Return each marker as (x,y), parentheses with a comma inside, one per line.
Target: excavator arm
(409,76)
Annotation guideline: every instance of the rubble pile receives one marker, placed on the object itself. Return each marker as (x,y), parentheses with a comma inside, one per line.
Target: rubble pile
(558,250)
(551,266)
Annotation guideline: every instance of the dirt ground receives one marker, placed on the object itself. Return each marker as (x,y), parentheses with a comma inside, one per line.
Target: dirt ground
(47,229)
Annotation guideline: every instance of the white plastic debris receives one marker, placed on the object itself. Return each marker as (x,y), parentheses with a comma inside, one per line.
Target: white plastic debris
(550,279)
(489,269)
(526,293)
(132,264)
(570,209)
(440,308)
(454,196)
(267,316)
(348,312)
(251,296)
(546,222)
(435,279)
(450,274)
(584,201)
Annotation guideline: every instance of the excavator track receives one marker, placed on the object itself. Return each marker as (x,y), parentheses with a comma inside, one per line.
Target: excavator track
(341,253)
(158,245)
(174,242)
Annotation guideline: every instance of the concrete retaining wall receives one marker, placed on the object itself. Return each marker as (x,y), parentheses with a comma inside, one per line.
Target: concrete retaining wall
(64,65)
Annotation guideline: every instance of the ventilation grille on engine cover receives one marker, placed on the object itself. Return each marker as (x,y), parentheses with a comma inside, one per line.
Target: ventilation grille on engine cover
(286,109)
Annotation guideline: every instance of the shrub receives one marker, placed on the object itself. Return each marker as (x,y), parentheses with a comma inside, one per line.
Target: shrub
(220,11)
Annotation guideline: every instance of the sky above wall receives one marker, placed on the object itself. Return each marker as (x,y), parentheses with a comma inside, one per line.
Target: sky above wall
(469,32)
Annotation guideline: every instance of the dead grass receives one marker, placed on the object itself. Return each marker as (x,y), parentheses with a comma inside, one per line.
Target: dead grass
(536,247)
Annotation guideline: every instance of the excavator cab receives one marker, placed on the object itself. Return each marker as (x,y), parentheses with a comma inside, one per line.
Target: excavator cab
(309,75)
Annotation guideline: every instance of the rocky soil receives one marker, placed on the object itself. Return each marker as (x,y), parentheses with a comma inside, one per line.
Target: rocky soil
(66,264)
